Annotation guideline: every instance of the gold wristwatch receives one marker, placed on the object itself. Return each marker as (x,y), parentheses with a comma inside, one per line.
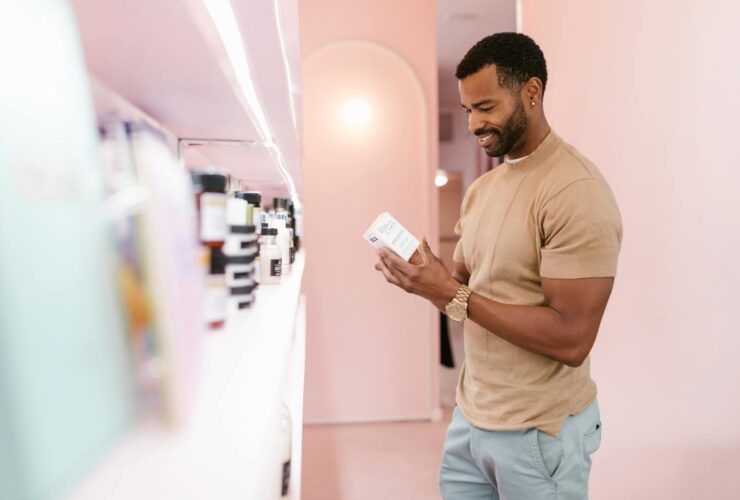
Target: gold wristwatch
(457,309)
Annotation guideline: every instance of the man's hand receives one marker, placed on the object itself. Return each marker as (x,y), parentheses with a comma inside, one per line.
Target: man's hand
(429,278)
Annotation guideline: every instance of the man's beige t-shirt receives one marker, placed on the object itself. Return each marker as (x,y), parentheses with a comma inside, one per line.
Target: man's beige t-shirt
(551,215)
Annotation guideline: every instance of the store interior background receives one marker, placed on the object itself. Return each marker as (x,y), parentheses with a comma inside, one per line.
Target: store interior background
(646,91)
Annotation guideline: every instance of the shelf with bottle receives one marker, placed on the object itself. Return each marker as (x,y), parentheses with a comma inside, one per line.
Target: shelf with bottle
(192,380)
(122,285)
(226,450)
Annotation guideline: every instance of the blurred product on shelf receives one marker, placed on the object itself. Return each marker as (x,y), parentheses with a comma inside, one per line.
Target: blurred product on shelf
(242,297)
(280,207)
(125,200)
(237,210)
(66,395)
(167,244)
(298,225)
(285,447)
(258,259)
(241,249)
(216,210)
(211,202)
(242,240)
(239,271)
(284,242)
(216,290)
(240,279)
(271,257)
(291,239)
(284,209)
(254,208)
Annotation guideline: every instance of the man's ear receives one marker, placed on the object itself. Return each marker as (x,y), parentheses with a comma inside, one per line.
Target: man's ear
(532,90)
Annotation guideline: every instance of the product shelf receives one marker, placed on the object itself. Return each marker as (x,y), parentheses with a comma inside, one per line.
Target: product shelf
(226,448)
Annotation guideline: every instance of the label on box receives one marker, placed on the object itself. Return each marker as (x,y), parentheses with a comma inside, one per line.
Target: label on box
(276,266)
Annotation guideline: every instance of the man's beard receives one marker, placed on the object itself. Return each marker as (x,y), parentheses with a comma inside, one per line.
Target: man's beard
(512,133)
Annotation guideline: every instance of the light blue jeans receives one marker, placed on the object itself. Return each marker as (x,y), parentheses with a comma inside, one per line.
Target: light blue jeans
(519,465)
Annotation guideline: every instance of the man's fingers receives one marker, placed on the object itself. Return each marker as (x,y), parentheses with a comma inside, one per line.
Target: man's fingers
(389,276)
(396,263)
(431,256)
(425,251)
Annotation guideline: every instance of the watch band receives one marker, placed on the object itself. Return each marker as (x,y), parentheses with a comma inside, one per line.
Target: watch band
(463,294)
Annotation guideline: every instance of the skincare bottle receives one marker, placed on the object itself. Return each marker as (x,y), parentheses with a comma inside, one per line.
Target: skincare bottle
(271,258)
(283,241)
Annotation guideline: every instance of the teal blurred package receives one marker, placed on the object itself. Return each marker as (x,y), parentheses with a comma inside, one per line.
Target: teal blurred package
(66,391)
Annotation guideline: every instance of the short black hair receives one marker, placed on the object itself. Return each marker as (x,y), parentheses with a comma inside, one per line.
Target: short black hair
(516,56)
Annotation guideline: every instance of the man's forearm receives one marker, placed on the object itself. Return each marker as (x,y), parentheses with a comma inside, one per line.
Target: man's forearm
(565,330)
(541,330)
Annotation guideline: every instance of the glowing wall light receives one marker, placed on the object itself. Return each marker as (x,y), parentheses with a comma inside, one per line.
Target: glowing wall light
(356,112)
(441,178)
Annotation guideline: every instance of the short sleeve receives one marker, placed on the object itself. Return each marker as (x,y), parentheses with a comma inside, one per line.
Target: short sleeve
(581,231)
(459,254)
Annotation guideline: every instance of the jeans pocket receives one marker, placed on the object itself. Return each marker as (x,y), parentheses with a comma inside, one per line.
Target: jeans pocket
(548,451)
(592,439)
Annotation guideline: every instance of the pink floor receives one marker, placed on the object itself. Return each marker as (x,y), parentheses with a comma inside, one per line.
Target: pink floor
(400,461)
(372,461)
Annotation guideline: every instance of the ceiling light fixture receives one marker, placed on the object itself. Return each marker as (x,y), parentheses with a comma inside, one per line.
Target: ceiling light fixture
(224,19)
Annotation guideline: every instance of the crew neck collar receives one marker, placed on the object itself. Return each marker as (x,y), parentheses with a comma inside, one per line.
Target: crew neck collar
(515,160)
(545,149)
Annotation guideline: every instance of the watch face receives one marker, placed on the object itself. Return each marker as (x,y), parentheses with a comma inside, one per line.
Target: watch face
(456,311)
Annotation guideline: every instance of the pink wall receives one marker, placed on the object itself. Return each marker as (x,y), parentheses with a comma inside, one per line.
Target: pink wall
(371,349)
(648,91)
(460,154)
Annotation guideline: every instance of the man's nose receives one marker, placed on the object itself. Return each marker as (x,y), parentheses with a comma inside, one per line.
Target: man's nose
(474,122)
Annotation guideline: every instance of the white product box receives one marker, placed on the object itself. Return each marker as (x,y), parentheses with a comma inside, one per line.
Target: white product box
(387,232)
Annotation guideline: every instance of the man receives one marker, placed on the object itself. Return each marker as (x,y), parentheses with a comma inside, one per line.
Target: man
(534,269)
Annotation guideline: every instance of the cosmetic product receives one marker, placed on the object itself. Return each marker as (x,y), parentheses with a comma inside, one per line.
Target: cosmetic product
(254,199)
(211,204)
(216,290)
(387,232)
(271,258)
(284,241)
